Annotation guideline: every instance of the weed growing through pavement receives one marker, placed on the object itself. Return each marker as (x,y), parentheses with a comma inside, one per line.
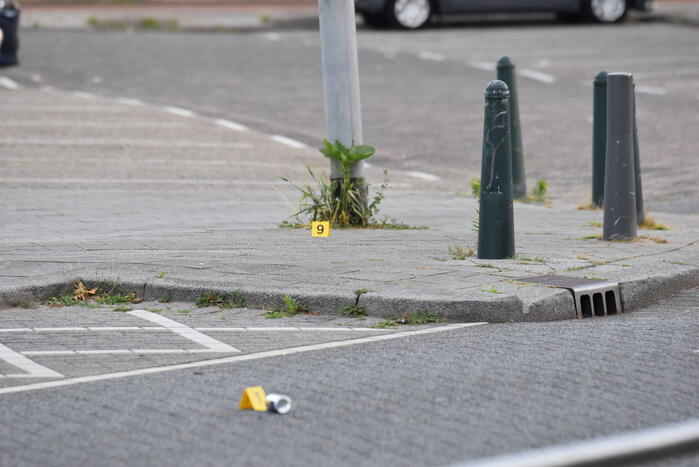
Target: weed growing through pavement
(648,223)
(93,297)
(384,324)
(165,299)
(290,307)
(419,317)
(589,207)
(485,265)
(591,237)
(594,224)
(122,308)
(355,310)
(234,299)
(160,275)
(476,192)
(528,259)
(461,253)
(491,290)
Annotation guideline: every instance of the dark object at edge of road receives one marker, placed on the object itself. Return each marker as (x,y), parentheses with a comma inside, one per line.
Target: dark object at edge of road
(9,25)
(414,14)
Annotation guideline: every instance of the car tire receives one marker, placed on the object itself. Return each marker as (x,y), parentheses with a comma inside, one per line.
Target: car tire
(375,20)
(606,11)
(409,14)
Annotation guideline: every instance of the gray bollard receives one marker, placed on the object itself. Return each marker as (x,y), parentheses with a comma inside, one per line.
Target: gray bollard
(619,177)
(507,74)
(343,111)
(640,212)
(496,232)
(599,136)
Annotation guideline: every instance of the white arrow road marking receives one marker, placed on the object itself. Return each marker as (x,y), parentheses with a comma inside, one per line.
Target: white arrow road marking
(33,369)
(185,331)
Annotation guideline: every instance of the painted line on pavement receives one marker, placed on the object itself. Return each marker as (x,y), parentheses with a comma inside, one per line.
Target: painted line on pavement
(431,56)
(232,359)
(184,331)
(86,329)
(148,181)
(653,90)
(537,76)
(271,36)
(7,83)
(123,142)
(66,329)
(424,176)
(485,66)
(288,141)
(619,449)
(128,101)
(83,95)
(179,111)
(231,125)
(32,369)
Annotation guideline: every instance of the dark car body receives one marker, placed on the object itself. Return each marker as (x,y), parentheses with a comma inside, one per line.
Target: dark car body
(446,7)
(9,25)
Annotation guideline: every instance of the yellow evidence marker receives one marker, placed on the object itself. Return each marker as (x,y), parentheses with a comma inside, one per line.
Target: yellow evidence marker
(254,398)
(320,229)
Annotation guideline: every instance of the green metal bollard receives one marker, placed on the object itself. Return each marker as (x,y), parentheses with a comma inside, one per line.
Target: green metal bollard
(496,233)
(599,137)
(640,212)
(507,74)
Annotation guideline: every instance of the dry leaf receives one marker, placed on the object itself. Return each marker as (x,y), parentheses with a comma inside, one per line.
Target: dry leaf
(82,293)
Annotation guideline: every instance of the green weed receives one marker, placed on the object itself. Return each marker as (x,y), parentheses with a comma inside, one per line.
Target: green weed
(461,253)
(234,299)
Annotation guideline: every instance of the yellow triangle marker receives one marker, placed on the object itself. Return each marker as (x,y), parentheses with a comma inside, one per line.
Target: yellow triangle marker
(254,398)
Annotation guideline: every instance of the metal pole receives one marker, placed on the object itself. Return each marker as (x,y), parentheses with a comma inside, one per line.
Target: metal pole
(619,178)
(496,232)
(599,137)
(338,43)
(507,74)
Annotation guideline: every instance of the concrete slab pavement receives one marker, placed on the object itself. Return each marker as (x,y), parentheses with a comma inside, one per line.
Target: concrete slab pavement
(174,204)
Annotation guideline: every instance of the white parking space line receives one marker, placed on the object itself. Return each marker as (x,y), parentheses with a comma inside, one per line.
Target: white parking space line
(431,56)
(102,352)
(49,352)
(423,176)
(32,369)
(232,359)
(653,90)
(7,83)
(66,329)
(288,141)
(485,66)
(84,95)
(17,330)
(537,76)
(128,101)
(222,329)
(179,111)
(231,125)
(184,331)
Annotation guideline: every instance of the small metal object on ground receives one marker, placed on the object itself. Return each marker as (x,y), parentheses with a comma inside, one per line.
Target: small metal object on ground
(278,403)
(592,297)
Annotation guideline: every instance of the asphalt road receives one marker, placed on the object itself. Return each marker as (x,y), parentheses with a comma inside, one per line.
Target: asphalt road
(430,399)
(422,92)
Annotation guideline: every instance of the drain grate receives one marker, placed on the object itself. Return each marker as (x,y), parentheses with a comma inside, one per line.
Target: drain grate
(592,297)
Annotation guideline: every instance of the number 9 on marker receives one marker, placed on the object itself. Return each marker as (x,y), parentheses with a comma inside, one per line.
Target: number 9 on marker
(320,229)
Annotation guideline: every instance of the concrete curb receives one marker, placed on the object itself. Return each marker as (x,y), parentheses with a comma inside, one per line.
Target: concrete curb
(531,304)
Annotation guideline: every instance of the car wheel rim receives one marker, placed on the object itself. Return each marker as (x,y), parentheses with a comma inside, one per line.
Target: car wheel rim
(412,14)
(608,11)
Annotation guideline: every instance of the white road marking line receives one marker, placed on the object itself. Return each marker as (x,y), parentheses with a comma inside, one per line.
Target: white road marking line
(184,331)
(431,56)
(656,91)
(271,328)
(232,359)
(83,95)
(32,369)
(610,450)
(272,36)
(66,329)
(424,176)
(486,66)
(17,330)
(101,352)
(222,329)
(179,111)
(231,125)
(117,328)
(128,101)
(288,329)
(288,141)
(537,75)
(48,352)
(158,351)
(7,83)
